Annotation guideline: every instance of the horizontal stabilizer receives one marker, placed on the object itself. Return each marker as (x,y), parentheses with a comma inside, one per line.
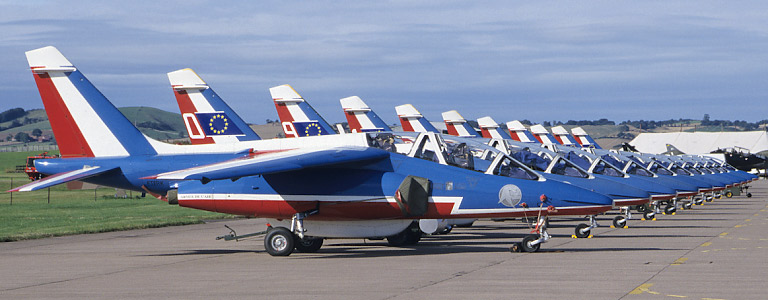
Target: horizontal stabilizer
(276,162)
(61,178)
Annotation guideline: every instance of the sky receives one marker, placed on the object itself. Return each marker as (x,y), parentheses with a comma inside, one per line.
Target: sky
(534,60)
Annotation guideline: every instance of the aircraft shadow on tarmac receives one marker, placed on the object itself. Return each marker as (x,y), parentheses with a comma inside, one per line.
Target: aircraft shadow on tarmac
(475,240)
(202,252)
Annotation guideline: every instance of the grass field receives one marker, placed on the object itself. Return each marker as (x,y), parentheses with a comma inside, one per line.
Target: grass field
(30,215)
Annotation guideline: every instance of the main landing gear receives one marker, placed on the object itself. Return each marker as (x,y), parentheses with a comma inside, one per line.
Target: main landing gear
(410,236)
(532,242)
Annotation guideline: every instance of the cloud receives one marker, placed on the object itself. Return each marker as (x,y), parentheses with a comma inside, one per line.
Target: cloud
(539,60)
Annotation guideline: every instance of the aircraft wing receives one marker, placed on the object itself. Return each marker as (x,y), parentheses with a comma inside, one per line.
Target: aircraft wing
(60,178)
(275,162)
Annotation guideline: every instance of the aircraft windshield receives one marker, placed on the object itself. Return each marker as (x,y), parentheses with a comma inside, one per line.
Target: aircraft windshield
(605,169)
(533,161)
(579,160)
(636,169)
(659,169)
(509,168)
(612,160)
(563,167)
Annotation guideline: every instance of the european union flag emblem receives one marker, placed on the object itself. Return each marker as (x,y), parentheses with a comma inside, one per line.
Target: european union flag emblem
(310,128)
(217,124)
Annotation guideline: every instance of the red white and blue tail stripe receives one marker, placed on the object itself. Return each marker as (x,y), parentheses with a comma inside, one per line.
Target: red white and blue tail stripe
(360,117)
(412,120)
(543,135)
(84,122)
(584,139)
(518,132)
(490,129)
(457,125)
(208,119)
(297,117)
(563,137)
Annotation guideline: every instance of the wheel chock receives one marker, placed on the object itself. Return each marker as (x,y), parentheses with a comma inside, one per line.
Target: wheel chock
(590,236)
(573,236)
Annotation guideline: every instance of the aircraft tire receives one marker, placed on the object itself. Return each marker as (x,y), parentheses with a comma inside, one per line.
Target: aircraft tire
(308,244)
(688,205)
(525,245)
(649,215)
(729,194)
(279,241)
(749,195)
(669,209)
(578,232)
(620,222)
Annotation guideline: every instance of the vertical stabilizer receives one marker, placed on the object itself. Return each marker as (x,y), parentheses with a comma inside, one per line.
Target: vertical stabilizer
(543,135)
(208,119)
(563,137)
(296,115)
(518,132)
(584,139)
(412,120)
(84,122)
(360,117)
(490,129)
(457,125)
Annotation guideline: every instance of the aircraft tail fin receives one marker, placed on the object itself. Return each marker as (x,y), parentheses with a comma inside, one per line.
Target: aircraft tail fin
(584,139)
(457,125)
(412,120)
(208,119)
(490,129)
(360,117)
(541,134)
(296,115)
(672,150)
(518,132)
(563,137)
(84,122)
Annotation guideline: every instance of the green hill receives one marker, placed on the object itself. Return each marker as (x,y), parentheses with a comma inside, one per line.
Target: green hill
(156,123)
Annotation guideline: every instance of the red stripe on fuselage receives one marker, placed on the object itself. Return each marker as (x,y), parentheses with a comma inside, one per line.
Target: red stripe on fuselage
(70,139)
(359,210)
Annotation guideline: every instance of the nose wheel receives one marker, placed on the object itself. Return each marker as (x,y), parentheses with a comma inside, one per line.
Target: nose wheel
(532,242)
(279,241)
(583,230)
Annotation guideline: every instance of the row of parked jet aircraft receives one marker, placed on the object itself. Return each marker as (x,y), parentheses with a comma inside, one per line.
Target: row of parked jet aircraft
(368,183)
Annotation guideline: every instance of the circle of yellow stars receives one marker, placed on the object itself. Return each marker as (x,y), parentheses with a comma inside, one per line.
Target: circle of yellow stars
(213,119)
(319,130)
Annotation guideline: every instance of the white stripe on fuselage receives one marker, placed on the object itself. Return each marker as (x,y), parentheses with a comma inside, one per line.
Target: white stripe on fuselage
(98,136)
(456,201)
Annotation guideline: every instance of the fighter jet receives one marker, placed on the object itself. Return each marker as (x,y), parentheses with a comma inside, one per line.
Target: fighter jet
(330,186)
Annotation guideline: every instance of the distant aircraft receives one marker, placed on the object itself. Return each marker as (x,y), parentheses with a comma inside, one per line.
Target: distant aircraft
(330,186)
(201,108)
(296,115)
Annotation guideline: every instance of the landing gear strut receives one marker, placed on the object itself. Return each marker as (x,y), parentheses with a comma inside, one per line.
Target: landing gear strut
(532,242)
(410,236)
(584,230)
(620,221)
